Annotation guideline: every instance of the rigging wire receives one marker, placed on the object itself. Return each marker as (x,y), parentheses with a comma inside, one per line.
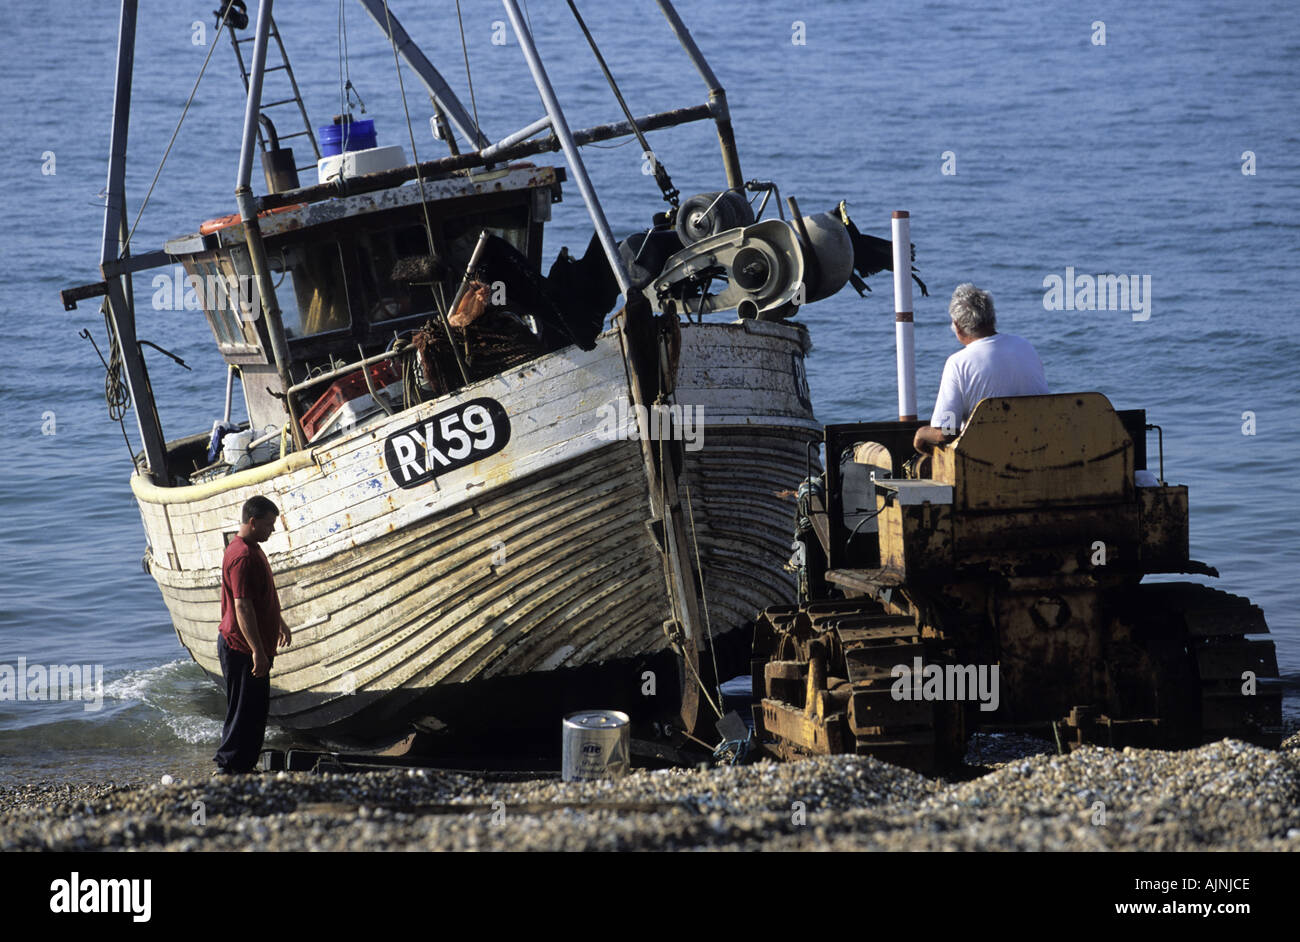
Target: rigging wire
(468,78)
(666,556)
(115,391)
(343,55)
(346,89)
(443,314)
(670,193)
(699,568)
(126,245)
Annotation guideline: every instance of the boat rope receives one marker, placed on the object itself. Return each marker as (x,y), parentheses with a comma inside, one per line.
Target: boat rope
(404,352)
(343,60)
(468,78)
(370,384)
(347,91)
(443,314)
(412,395)
(696,739)
(116,394)
(345,72)
(699,681)
(704,596)
(115,391)
(670,192)
(734,751)
(212,47)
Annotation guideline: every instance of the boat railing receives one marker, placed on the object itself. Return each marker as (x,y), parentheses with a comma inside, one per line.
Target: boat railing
(510,140)
(386,179)
(341,371)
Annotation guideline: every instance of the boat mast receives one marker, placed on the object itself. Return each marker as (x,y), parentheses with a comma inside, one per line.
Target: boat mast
(252,231)
(121,307)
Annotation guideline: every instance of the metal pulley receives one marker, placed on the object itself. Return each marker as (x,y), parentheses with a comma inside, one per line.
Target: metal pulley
(708,214)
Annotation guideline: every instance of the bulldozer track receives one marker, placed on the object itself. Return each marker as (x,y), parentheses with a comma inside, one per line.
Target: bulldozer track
(824,679)
(824,682)
(1214,626)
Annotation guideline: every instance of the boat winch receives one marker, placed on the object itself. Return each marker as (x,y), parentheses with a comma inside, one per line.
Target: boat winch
(763,270)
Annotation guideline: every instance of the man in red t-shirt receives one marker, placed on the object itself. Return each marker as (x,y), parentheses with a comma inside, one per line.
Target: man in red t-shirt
(251,632)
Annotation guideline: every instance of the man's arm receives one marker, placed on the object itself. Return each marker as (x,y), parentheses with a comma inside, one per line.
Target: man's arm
(246,617)
(927,436)
(286,636)
(947,415)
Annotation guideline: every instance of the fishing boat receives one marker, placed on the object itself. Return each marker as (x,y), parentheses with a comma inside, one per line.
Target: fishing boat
(502,493)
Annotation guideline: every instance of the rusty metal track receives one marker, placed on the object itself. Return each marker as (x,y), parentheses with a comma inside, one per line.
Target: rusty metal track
(824,678)
(1227,663)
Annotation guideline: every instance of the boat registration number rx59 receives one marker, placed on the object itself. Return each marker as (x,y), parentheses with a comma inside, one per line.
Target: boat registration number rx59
(447,441)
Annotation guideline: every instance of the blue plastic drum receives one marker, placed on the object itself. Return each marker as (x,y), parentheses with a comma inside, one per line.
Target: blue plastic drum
(345,136)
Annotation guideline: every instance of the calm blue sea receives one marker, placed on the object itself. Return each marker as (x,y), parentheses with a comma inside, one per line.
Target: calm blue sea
(1121,158)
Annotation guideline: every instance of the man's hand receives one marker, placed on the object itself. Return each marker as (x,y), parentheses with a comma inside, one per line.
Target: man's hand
(261,665)
(927,436)
(286,636)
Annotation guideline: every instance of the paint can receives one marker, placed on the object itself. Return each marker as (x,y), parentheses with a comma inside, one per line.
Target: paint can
(597,744)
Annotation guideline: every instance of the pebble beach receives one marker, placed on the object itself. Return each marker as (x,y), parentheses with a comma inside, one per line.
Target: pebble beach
(1014,795)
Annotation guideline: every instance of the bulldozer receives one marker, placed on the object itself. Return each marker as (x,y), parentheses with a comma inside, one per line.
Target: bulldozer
(998,586)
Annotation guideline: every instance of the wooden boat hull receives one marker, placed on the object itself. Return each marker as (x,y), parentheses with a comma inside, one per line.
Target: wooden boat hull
(749,378)
(534,558)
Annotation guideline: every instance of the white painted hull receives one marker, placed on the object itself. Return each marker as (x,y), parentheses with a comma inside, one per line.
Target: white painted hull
(750,379)
(534,558)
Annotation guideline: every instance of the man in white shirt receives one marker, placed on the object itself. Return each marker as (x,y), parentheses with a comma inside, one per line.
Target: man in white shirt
(989,364)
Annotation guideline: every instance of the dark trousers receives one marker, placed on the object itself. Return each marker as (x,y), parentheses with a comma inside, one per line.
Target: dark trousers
(248,701)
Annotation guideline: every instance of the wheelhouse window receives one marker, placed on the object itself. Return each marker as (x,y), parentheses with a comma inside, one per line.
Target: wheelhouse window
(394,277)
(228,300)
(312,291)
(462,233)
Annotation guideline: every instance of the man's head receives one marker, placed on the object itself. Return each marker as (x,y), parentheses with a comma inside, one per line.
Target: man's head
(972,313)
(258,518)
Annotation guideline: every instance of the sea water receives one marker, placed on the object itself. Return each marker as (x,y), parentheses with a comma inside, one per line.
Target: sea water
(1154,141)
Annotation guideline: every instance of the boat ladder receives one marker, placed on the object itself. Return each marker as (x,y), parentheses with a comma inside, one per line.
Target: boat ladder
(295,98)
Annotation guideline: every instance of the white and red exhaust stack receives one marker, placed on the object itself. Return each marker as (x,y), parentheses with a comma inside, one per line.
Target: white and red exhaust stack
(903,328)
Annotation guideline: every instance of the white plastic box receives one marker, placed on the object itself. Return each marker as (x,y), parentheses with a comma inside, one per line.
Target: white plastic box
(357,162)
